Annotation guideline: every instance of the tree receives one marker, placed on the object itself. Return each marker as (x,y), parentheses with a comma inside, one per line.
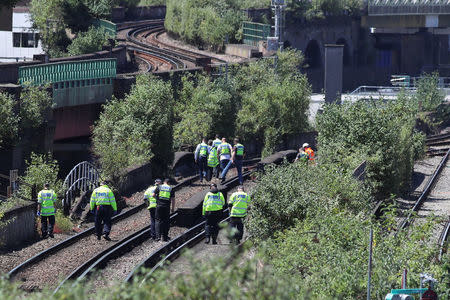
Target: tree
(9,123)
(35,103)
(88,42)
(275,100)
(134,130)
(8,3)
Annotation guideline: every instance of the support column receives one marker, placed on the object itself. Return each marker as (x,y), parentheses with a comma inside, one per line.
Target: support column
(334,55)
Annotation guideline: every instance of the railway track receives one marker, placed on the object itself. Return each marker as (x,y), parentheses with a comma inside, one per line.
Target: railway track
(43,269)
(115,262)
(438,145)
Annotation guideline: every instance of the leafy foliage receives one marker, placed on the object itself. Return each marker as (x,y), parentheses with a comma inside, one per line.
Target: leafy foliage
(313,9)
(9,123)
(274,100)
(35,103)
(329,253)
(203,21)
(382,133)
(41,169)
(293,192)
(88,42)
(428,93)
(132,131)
(204,108)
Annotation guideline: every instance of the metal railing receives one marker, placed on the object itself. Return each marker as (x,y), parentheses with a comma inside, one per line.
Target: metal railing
(68,71)
(254,32)
(83,177)
(408,7)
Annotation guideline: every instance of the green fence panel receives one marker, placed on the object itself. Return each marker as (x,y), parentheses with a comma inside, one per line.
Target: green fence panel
(255,32)
(108,26)
(68,71)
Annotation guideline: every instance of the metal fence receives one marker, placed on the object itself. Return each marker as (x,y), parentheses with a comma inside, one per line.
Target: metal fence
(83,177)
(254,32)
(408,7)
(68,71)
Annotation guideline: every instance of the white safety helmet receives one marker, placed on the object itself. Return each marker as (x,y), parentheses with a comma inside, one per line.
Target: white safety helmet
(305,145)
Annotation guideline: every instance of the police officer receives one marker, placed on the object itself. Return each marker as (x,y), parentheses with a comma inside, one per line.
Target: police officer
(237,157)
(104,204)
(217,142)
(151,201)
(224,151)
(238,205)
(213,162)
(201,157)
(212,210)
(164,195)
(46,209)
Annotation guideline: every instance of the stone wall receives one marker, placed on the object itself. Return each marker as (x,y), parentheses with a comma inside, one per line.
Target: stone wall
(20,227)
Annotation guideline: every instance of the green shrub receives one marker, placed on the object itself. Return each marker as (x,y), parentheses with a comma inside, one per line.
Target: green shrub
(132,131)
(380,132)
(64,223)
(87,42)
(293,192)
(9,123)
(428,92)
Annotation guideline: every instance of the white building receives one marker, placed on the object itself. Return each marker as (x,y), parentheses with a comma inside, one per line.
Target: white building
(22,42)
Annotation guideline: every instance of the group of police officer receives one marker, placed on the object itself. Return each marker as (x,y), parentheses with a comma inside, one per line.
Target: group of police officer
(160,197)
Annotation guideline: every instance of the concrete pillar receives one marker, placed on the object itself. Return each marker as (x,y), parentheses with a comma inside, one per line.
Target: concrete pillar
(334,55)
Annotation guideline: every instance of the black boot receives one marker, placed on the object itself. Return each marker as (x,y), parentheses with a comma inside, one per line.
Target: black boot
(207,240)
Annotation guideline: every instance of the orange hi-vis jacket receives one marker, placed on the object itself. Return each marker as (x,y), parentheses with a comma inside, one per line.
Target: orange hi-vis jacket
(310,153)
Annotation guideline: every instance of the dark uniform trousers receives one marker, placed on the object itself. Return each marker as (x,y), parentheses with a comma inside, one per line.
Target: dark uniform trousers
(152,222)
(212,223)
(236,222)
(47,224)
(202,165)
(103,214)
(162,218)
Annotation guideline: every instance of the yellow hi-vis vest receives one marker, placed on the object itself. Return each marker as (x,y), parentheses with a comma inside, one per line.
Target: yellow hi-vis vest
(149,196)
(213,202)
(240,201)
(165,192)
(103,196)
(239,150)
(213,161)
(47,199)
(203,152)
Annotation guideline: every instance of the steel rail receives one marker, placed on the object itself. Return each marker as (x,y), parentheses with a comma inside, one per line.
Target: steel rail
(438,142)
(174,63)
(131,36)
(443,239)
(438,137)
(426,191)
(178,242)
(71,240)
(149,65)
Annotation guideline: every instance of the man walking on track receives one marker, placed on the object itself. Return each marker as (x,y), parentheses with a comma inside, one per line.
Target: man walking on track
(237,158)
(103,204)
(164,195)
(212,210)
(201,158)
(151,201)
(46,209)
(238,205)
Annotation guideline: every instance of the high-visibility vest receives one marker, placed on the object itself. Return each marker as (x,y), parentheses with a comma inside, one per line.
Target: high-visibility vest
(213,161)
(149,196)
(225,148)
(240,201)
(47,199)
(310,153)
(213,202)
(203,150)
(103,196)
(164,192)
(216,143)
(239,150)
(302,156)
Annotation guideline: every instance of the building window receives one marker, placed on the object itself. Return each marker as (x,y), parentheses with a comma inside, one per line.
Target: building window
(25,39)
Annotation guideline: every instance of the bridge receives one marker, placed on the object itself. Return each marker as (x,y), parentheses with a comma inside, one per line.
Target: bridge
(78,89)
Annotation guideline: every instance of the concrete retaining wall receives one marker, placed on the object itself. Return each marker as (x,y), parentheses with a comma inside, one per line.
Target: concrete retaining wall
(21,226)
(137,178)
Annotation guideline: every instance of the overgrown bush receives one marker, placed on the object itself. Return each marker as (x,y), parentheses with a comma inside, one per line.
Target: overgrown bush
(428,93)
(131,131)
(314,9)
(380,132)
(9,123)
(293,192)
(87,42)
(41,168)
(275,100)
(203,108)
(203,22)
